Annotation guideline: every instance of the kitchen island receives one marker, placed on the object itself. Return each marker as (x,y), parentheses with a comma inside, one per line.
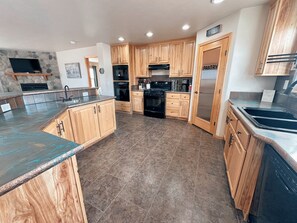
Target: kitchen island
(39,181)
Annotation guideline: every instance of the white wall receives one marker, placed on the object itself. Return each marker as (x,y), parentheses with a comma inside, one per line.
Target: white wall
(74,56)
(247,27)
(106,79)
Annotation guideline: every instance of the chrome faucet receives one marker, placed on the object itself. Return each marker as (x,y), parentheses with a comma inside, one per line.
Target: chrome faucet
(66,89)
(290,88)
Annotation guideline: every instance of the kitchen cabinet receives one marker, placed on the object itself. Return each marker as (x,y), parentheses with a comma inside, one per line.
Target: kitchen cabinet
(85,123)
(159,53)
(182,55)
(123,106)
(120,54)
(107,120)
(141,61)
(279,40)
(137,101)
(52,128)
(177,105)
(53,196)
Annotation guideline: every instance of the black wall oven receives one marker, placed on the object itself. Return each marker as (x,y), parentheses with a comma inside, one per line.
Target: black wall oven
(121,91)
(120,72)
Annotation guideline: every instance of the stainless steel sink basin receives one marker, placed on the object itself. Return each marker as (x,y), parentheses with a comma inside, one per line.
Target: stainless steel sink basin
(279,120)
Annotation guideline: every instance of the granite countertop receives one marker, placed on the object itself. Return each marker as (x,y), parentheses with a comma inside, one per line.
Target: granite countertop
(284,143)
(26,151)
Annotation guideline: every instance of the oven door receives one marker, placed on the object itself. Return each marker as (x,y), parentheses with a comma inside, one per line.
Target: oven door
(154,103)
(120,72)
(121,91)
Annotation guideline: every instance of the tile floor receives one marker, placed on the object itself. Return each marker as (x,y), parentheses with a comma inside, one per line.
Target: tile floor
(156,170)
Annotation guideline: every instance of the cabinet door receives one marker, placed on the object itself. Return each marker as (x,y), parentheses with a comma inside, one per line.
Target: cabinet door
(153,54)
(65,126)
(123,51)
(237,156)
(184,108)
(176,50)
(85,123)
(188,58)
(114,55)
(52,128)
(164,53)
(137,104)
(106,114)
(141,62)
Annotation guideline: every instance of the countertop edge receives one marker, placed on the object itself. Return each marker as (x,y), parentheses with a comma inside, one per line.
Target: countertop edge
(265,139)
(38,170)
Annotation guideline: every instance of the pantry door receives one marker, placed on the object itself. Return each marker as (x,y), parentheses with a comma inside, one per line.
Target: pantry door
(211,68)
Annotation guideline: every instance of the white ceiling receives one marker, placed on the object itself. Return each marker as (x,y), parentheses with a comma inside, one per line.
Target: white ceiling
(51,24)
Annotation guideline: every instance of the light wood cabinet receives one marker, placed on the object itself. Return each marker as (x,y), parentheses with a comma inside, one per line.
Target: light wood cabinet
(137,101)
(159,53)
(177,105)
(107,120)
(141,61)
(182,58)
(120,54)
(279,40)
(52,128)
(123,106)
(53,196)
(85,123)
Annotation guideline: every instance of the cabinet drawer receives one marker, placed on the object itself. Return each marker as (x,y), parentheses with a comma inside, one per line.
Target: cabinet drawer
(243,135)
(184,96)
(172,103)
(173,112)
(137,93)
(123,106)
(171,95)
(232,119)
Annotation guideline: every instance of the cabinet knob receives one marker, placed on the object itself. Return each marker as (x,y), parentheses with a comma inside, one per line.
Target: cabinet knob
(95,110)
(62,126)
(59,129)
(196,92)
(238,133)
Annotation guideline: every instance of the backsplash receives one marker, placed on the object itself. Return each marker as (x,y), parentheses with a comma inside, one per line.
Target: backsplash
(48,63)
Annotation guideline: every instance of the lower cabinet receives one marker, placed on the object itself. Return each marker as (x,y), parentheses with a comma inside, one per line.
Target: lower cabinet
(53,196)
(123,106)
(177,105)
(107,119)
(137,102)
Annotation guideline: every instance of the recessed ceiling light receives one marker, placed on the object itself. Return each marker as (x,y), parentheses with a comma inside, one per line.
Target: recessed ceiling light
(72,42)
(186,27)
(216,1)
(122,39)
(149,34)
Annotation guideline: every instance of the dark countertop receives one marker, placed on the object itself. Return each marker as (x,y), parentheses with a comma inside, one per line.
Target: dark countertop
(284,143)
(26,151)
(177,92)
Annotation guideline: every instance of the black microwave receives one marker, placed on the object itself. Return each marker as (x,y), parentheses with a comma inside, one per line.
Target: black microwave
(120,73)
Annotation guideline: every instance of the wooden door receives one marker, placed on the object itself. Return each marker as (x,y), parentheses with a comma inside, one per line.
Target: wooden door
(53,196)
(65,126)
(141,61)
(138,104)
(123,51)
(164,53)
(188,58)
(85,123)
(114,55)
(176,56)
(153,54)
(106,114)
(53,128)
(211,67)
(237,158)
(184,108)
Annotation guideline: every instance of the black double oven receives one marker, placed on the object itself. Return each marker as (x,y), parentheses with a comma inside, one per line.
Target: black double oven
(154,99)
(121,82)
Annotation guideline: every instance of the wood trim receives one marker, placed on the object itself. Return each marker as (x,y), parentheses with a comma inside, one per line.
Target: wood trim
(228,35)
(15,75)
(87,62)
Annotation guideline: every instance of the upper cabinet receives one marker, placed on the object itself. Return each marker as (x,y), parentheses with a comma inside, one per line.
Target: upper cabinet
(141,61)
(159,53)
(279,44)
(120,54)
(182,55)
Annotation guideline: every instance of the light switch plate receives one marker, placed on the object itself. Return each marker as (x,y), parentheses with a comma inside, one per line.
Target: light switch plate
(85,94)
(5,107)
(286,84)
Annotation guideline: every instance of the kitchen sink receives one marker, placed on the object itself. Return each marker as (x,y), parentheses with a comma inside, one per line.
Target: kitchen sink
(278,120)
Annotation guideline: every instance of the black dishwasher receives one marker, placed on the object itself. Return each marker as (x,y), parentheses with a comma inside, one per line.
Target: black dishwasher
(275,198)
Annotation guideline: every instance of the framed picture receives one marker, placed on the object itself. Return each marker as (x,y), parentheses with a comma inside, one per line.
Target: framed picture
(73,70)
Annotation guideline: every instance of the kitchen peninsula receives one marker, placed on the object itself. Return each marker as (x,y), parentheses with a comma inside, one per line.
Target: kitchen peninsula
(39,181)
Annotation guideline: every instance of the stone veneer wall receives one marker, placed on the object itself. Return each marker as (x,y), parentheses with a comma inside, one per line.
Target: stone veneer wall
(48,63)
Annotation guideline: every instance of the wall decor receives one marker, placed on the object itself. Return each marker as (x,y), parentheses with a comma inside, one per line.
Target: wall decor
(73,70)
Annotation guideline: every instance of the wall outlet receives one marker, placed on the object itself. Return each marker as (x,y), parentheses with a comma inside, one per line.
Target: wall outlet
(85,94)
(5,107)
(286,84)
